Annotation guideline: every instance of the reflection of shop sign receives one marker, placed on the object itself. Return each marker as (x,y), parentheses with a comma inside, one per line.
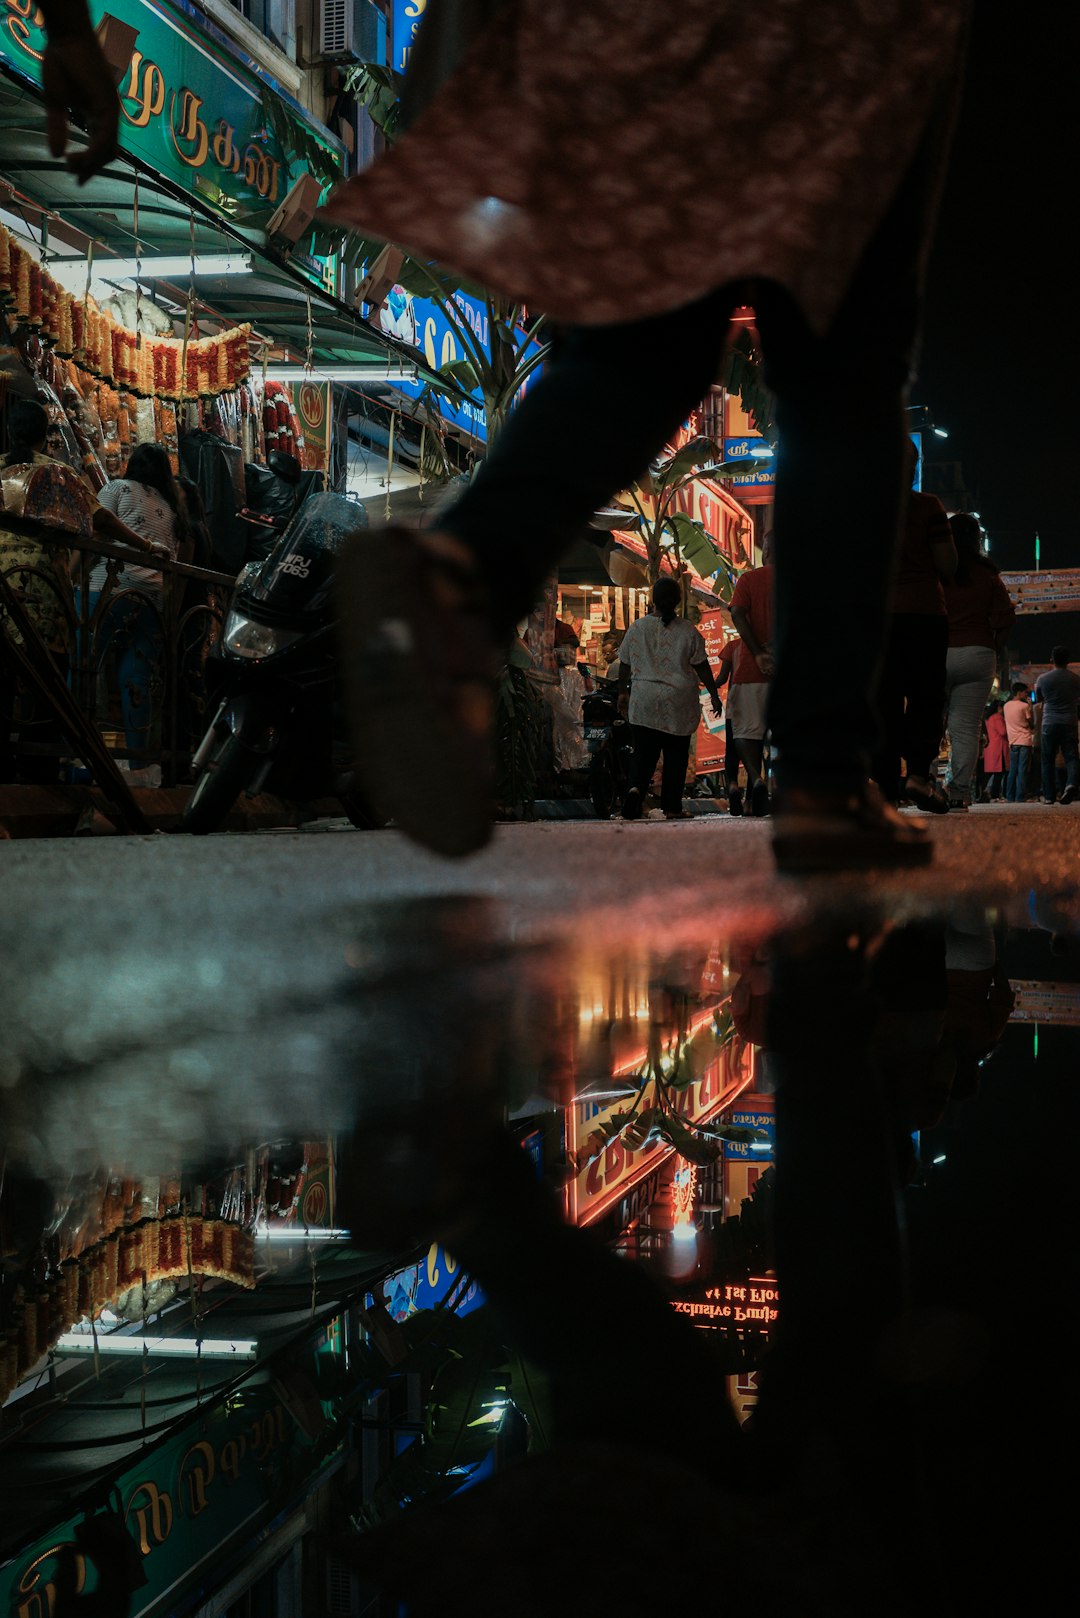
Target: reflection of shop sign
(763,1151)
(1056,1004)
(619,1167)
(753,1303)
(190,109)
(178,1507)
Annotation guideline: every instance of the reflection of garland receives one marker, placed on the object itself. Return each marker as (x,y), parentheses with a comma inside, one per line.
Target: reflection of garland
(165,367)
(159,1249)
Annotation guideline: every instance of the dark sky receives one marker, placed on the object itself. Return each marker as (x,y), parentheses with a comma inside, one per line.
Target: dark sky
(1001,338)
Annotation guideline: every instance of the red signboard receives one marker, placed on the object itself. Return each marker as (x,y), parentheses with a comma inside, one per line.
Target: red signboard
(711,749)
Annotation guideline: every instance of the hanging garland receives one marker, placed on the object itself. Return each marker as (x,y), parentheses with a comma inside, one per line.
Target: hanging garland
(160,367)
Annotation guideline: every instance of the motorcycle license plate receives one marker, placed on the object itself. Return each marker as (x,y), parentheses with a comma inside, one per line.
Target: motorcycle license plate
(596,733)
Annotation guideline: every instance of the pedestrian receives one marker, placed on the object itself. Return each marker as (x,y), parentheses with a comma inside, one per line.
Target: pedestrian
(729,656)
(41,575)
(148,500)
(996,752)
(662,659)
(752,613)
(980,616)
(794,169)
(1059,692)
(912,689)
(1019,720)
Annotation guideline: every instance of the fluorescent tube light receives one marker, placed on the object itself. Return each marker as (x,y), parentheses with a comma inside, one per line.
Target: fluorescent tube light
(210,1348)
(172,265)
(372,371)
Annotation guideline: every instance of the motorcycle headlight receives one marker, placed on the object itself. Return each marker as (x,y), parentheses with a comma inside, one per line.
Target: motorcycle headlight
(246,637)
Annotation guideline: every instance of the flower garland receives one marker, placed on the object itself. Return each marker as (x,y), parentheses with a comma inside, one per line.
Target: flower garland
(161,367)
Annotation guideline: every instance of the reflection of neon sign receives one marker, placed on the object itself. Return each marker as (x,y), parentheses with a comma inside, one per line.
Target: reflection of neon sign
(619,1167)
(755,1303)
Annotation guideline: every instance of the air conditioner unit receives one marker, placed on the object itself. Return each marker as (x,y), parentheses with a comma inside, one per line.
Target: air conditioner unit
(353,31)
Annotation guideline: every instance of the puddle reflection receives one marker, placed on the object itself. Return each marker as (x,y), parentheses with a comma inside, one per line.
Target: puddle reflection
(478,1252)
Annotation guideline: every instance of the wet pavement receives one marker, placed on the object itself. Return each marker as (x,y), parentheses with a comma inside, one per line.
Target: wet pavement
(391,1128)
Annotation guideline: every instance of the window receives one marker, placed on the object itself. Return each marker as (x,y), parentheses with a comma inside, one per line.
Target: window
(274,18)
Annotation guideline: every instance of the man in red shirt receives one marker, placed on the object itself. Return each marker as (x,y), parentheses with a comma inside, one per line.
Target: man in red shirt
(752,615)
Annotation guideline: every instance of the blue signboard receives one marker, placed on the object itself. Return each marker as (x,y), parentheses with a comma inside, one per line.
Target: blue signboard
(407,18)
(425,325)
(760,462)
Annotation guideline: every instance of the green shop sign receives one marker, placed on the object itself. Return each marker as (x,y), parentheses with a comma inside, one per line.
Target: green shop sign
(194,112)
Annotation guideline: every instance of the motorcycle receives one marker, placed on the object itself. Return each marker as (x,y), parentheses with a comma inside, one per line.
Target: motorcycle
(607,737)
(277,724)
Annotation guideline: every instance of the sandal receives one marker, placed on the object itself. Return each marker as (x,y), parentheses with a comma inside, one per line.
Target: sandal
(418,660)
(836,831)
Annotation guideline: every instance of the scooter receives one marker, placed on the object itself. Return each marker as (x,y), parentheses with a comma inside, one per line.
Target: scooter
(277,726)
(607,737)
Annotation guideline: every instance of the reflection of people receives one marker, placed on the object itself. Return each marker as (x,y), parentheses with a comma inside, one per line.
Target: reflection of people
(74,73)
(833,193)
(397,317)
(664,656)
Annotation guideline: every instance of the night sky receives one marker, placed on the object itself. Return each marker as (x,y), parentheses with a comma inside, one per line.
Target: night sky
(1002,328)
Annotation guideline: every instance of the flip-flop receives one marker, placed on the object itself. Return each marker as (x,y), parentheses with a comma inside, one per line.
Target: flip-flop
(418,662)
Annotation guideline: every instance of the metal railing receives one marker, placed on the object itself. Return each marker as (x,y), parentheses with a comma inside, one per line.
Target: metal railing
(186,633)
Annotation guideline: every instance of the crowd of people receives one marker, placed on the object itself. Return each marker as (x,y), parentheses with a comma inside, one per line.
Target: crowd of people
(148,510)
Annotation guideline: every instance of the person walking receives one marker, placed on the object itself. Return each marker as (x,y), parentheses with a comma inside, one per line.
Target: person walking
(995,753)
(1020,729)
(822,137)
(748,693)
(662,659)
(1059,692)
(980,616)
(912,690)
(148,500)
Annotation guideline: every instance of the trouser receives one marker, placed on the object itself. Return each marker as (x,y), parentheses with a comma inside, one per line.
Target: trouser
(648,746)
(132,629)
(1019,764)
(619,393)
(911,697)
(969,675)
(1063,737)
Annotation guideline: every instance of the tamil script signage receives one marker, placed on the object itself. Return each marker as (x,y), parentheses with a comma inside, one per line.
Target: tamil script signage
(196,114)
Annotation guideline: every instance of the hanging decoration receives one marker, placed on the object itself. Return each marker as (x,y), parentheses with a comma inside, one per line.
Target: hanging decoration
(77,328)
